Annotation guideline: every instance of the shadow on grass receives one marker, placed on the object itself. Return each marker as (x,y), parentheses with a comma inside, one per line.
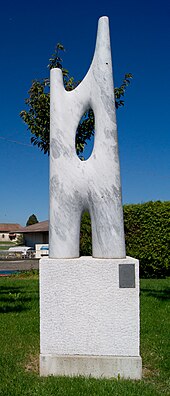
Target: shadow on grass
(159,294)
(16,308)
(16,299)
(12,289)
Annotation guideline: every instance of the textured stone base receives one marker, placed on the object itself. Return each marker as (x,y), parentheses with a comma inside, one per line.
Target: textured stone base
(89,317)
(91,366)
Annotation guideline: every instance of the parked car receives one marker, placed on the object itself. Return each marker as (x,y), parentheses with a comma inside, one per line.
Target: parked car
(25,251)
(41,250)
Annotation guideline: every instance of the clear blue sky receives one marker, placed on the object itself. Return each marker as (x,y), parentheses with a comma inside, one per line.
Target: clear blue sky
(140,36)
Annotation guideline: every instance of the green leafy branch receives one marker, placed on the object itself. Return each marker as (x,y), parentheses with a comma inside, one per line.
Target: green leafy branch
(37,115)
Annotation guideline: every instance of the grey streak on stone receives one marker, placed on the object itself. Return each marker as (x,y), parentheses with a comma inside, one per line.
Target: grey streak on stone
(127,275)
(55,151)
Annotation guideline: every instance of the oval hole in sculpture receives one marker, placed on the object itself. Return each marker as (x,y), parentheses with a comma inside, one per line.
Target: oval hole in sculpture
(84,141)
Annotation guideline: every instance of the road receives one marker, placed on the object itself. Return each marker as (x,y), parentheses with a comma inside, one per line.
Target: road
(20,265)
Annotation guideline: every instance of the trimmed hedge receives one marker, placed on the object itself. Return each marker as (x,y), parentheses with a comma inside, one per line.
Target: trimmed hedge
(147,235)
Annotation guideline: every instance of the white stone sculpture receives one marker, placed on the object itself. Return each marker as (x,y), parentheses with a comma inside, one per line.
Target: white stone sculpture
(92,185)
(89,306)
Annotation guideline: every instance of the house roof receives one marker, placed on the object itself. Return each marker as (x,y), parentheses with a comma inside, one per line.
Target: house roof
(10,227)
(42,226)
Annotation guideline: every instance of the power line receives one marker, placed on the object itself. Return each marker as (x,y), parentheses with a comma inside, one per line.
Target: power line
(15,141)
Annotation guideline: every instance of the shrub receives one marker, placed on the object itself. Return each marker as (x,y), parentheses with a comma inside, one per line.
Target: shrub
(85,236)
(20,240)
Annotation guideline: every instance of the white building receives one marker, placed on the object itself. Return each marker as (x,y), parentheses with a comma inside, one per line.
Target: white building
(9,232)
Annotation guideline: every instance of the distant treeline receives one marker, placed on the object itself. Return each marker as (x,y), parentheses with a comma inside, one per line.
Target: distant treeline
(147,235)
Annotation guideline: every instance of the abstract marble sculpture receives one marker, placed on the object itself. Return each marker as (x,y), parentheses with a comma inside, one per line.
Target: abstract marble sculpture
(92,185)
(89,306)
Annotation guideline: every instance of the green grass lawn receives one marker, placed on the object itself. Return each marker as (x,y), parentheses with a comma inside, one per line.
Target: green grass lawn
(19,346)
(6,245)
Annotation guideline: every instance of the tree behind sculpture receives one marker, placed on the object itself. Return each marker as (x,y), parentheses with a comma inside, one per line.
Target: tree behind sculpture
(37,117)
(31,220)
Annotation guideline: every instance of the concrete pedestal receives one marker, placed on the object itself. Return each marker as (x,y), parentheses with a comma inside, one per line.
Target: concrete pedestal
(89,317)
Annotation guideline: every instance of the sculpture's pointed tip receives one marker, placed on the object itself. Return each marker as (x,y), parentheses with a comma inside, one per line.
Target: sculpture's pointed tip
(103,30)
(103,22)
(103,17)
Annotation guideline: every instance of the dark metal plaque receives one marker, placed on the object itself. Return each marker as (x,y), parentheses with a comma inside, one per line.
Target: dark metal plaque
(127,275)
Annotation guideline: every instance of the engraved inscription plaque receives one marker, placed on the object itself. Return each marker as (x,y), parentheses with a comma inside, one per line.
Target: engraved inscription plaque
(126,275)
